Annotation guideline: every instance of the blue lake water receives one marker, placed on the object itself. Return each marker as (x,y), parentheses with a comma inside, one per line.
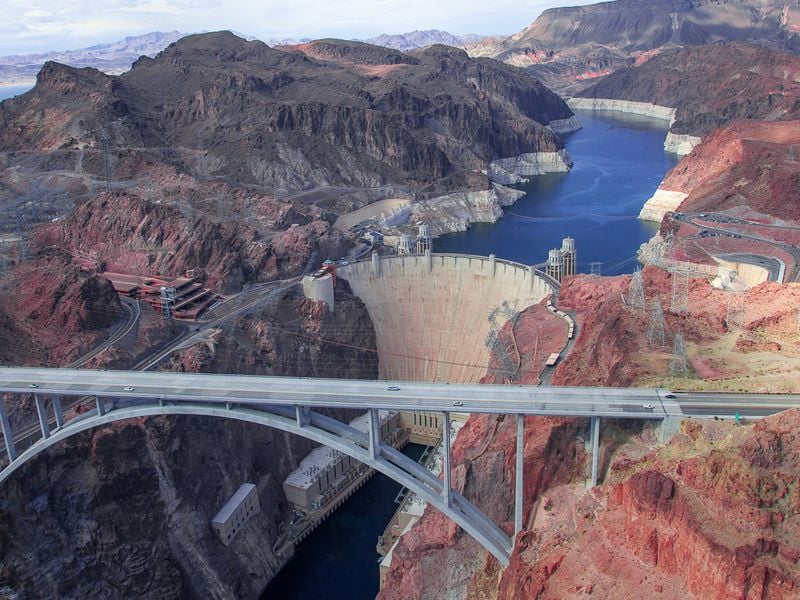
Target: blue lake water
(619,162)
(338,560)
(13,90)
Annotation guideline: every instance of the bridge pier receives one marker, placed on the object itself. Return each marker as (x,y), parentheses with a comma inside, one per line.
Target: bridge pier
(8,436)
(374,434)
(57,409)
(447,490)
(101,406)
(595,433)
(519,500)
(41,409)
(302,415)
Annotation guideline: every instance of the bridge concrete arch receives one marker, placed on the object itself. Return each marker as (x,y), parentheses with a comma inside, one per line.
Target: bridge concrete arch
(314,426)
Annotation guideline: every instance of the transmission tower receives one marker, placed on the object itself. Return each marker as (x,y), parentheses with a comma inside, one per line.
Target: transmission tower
(656,330)
(636,291)
(200,164)
(168,296)
(678,363)
(680,292)
(506,352)
(105,143)
(735,310)
(22,246)
(596,268)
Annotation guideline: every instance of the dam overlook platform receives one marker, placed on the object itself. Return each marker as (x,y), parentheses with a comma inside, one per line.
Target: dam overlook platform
(433,313)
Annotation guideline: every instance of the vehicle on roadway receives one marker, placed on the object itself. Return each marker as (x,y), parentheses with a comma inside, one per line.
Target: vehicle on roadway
(32,385)
(671,396)
(128,388)
(393,388)
(458,403)
(648,406)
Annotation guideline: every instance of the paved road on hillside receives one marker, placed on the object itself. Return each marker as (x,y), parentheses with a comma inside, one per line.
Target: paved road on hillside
(792,275)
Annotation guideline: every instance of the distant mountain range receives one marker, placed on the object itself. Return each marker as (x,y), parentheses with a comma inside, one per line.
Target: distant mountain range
(421,39)
(568,47)
(116,57)
(112,58)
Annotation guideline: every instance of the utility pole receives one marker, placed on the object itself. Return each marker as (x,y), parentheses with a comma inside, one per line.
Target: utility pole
(656,330)
(596,268)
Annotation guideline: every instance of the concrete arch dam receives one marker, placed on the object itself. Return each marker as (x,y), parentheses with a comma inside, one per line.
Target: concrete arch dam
(431,312)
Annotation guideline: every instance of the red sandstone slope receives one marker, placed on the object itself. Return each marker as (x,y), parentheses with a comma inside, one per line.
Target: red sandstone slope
(50,312)
(715,514)
(711,86)
(129,234)
(758,351)
(748,163)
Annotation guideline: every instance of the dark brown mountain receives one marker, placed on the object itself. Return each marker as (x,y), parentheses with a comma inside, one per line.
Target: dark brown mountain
(710,86)
(326,113)
(570,45)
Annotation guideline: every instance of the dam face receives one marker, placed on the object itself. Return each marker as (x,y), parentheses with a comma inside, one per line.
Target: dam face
(431,313)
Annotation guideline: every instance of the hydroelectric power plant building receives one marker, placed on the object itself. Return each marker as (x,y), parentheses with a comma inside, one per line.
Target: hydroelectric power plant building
(325,473)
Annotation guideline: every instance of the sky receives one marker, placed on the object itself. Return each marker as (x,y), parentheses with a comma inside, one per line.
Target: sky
(30,26)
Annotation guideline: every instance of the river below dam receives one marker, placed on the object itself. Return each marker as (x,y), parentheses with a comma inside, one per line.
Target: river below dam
(619,163)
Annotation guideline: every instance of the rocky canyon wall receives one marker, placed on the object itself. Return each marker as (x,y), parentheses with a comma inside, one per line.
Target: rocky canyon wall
(125,510)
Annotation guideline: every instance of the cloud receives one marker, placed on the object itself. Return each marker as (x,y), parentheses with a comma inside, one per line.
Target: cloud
(66,24)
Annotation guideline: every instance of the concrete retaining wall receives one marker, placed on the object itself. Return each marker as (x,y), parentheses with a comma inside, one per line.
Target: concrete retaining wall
(319,289)
(431,313)
(635,108)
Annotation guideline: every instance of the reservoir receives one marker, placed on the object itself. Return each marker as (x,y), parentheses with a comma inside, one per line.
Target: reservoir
(13,90)
(619,163)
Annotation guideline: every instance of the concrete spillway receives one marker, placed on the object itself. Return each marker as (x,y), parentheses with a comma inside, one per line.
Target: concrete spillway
(431,313)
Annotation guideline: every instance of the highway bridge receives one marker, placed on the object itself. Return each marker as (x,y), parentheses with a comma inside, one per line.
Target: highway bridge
(289,404)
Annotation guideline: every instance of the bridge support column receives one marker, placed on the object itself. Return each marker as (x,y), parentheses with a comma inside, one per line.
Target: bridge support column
(101,406)
(595,447)
(41,409)
(492,265)
(374,433)
(11,449)
(447,492)
(303,415)
(59,412)
(519,500)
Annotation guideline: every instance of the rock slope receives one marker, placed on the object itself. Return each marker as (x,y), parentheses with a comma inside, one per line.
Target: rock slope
(711,86)
(328,112)
(568,47)
(125,510)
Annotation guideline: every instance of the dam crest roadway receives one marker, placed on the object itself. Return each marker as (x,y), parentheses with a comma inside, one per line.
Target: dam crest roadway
(288,404)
